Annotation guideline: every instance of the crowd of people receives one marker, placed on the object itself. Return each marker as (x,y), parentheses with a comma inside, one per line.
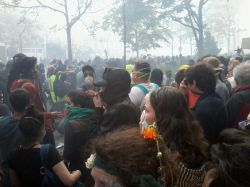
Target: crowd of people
(128,127)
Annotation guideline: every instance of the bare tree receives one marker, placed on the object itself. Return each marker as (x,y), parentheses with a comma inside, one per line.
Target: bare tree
(61,7)
(187,14)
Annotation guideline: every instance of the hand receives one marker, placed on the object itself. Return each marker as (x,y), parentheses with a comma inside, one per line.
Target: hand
(66,112)
(91,93)
(97,101)
(248,117)
(77,172)
(57,115)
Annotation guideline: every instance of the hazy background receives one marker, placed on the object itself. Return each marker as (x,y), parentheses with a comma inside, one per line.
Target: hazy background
(51,30)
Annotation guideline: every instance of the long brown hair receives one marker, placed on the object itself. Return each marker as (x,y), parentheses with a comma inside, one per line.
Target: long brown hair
(177,125)
(128,151)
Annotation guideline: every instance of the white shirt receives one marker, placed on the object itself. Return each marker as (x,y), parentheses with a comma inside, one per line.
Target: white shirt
(137,95)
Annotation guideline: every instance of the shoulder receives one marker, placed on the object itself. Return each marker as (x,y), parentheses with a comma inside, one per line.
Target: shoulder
(7,123)
(210,102)
(52,156)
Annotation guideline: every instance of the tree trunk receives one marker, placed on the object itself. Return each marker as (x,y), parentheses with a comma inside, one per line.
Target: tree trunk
(124,34)
(69,44)
(200,25)
(136,43)
(68,32)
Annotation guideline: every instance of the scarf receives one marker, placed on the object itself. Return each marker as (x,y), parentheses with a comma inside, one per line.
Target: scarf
(76,113)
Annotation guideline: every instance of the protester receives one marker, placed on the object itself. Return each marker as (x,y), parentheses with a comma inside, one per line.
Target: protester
(209,108)
(156,76)
(79,131)
(24,75)
(169,79)
(9,134)
(57,101)
(229,156)
(238,106)
(221,88)
(142,86)
(89,77)
(167,108)
(127,158)
(232,64)
(179,79)
(112,104)
(26,162)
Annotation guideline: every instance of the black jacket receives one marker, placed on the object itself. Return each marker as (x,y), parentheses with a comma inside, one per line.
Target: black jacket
(121,114)
(238,106)
(210,111)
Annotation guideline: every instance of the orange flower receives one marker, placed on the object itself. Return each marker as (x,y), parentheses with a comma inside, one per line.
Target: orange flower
(150,133)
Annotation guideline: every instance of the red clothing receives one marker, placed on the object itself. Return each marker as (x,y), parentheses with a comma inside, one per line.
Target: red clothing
(35,99)
(192,99)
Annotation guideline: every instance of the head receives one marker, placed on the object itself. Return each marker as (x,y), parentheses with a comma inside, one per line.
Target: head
(241,74)
(214,63)
(168,107)
(128,163)
(141,72)
(23,64)
(201,79)
(32,127)
(19,100)
(80,99)
(88,74)
(116,85)
(228,155)
(179,76)
(156,76)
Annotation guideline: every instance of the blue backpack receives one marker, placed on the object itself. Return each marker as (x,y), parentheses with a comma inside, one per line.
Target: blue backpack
(49,178)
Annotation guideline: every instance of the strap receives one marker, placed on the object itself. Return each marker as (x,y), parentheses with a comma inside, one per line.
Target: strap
(44,149)
(155,86)
(143,88)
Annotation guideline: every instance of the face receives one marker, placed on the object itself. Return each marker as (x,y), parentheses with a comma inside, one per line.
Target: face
(69,102)
(149,111)
(88,73)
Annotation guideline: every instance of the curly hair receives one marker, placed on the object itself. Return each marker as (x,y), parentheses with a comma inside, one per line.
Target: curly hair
(180,130)
(127,150)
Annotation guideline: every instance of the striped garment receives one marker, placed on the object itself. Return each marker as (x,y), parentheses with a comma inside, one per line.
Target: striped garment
(190,177)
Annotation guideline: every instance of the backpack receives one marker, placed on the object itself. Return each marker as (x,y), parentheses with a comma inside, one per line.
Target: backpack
(60,88)
(49,178)
(145,90)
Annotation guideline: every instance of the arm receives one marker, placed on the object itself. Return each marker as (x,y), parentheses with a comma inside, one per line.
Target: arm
(68,179)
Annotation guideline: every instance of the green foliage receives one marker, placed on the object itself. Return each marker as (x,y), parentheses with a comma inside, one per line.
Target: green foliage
(144,30)
(210,45)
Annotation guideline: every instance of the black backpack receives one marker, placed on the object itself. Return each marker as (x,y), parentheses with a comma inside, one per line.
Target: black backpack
(60,88)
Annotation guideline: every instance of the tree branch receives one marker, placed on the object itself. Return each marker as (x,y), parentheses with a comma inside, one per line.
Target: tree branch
(81,12)
(42,5)
(182,23)
(58,3)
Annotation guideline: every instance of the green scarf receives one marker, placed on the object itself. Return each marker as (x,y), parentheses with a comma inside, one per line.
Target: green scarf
(79,113)
(145,180)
